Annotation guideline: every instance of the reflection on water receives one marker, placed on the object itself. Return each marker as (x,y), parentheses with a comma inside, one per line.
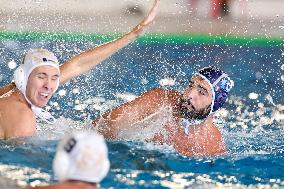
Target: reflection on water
(23,176)
(254,145)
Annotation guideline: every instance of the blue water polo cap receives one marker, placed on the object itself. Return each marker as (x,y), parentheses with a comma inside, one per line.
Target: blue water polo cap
(220,84)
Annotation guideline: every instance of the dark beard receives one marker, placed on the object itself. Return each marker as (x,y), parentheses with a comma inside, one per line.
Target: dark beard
(192,114)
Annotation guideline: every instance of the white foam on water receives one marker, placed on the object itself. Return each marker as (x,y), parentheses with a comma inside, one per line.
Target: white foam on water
(6,183)
(167,82)
(126,96)
(62,127)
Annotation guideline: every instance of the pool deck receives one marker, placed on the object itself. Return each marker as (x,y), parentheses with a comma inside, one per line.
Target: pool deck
(247,18)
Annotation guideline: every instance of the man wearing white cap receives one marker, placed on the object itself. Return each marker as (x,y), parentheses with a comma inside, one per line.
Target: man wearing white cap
(81,161)
(39,75)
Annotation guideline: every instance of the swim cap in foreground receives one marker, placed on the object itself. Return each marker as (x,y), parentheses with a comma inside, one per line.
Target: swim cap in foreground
(33,59)
(220,84)
(82,156)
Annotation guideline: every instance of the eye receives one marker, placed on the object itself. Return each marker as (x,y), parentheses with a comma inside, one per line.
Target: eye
(202,91)
(190,84)
(54,78)
(41,76)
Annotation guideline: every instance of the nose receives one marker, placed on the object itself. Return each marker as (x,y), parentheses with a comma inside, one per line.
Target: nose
(48,84)
(191,94)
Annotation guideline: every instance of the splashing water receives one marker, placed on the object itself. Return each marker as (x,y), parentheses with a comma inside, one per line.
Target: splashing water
(252,127)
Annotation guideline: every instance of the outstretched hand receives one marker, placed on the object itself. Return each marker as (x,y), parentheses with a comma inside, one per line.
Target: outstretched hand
(148,19)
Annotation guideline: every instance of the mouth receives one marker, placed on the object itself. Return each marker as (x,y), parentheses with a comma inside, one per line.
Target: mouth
(187,110)
(188,105)
(44,95)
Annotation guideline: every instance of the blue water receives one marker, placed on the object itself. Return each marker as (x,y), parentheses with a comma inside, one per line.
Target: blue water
(252,127)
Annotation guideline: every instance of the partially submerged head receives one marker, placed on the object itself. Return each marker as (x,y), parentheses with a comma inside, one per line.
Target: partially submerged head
(206,93)
(82,156)
(38,76)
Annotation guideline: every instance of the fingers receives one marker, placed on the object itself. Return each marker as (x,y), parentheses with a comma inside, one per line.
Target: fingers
(152,13)
(139,29)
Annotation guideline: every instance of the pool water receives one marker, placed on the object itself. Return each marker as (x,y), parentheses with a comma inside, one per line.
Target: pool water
(251,122)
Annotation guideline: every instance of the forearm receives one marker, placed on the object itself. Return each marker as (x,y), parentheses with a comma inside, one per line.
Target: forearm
(111,123)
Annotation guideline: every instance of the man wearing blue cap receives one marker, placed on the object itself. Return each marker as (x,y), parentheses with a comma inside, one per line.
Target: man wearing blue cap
(186,119)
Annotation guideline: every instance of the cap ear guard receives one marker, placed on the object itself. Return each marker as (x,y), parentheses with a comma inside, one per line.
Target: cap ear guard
(61,162)
(220,99)
(19,78)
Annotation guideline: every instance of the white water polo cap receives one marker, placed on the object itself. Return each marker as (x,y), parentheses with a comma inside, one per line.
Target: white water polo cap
(33,59)
(82,156)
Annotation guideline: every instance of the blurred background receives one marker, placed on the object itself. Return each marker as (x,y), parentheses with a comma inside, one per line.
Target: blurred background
(233,17)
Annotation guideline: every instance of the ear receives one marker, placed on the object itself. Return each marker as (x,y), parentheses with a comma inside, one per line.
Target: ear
(19,78)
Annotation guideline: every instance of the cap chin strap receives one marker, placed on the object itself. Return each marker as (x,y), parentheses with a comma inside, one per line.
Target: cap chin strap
(41,113)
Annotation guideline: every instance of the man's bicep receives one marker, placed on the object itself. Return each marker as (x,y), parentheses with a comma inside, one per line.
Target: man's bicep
(138,108)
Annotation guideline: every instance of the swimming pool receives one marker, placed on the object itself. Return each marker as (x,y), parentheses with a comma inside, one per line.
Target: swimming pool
(252,119)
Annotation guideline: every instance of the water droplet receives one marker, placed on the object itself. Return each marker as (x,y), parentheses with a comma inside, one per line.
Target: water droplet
(62,92)
(282,67)
(253,96)
(75,90)
(260,105)
(269,98)
(258,75)
(167,81)
(144,81)
(80,107)
(55,104)
(12,64)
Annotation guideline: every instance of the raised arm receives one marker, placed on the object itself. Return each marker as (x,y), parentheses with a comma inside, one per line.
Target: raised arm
(87,60)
